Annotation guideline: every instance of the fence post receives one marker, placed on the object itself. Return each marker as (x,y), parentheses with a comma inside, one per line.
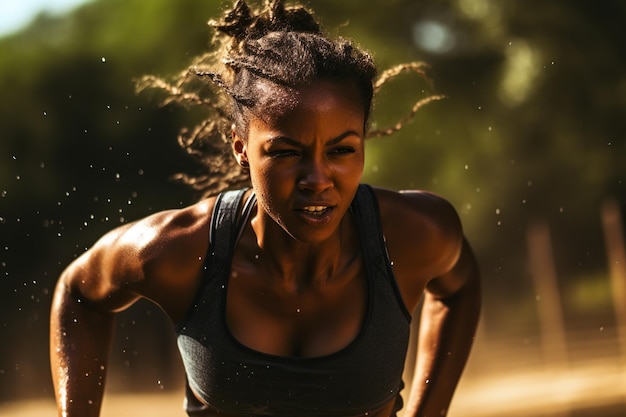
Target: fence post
(616,257)
(549,308)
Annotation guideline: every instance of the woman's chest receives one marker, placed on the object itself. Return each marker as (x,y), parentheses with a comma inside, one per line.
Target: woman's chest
(310,320)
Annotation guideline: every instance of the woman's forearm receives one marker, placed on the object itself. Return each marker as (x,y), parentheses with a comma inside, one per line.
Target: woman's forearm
(80,340)
(446,334)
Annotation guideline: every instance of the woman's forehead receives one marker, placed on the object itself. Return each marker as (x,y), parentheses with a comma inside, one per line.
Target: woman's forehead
(324,109)
(319,95)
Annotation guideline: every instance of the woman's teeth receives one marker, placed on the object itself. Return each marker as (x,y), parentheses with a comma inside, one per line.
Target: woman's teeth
(314,209)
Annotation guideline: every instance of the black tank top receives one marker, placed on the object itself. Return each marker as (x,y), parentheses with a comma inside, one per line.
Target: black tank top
(232,378)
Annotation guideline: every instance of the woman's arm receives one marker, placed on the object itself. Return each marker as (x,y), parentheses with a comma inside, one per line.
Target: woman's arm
(159,258)
(80,338)
(81,322)
(448,324)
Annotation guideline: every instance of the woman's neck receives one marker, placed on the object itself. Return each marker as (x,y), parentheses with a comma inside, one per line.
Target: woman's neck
(296,265)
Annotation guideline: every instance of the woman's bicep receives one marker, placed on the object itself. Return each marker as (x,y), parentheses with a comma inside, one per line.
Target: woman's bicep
(102,276)
(462,273)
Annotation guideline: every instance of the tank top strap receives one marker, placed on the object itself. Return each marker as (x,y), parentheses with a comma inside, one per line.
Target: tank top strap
(224,224)
(367,218)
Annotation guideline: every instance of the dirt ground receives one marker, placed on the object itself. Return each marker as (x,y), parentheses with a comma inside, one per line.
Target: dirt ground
(596,389)
(155,405)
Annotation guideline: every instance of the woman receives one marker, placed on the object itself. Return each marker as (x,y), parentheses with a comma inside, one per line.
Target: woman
(292,297)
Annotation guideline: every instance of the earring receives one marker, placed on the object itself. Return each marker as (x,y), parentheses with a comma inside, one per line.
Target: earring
(244,163)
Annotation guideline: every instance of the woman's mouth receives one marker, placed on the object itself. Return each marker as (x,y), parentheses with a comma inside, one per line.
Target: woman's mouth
(315,214)
(315,209)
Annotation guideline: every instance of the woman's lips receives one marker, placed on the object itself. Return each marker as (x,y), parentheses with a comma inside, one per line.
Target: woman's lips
(315,215)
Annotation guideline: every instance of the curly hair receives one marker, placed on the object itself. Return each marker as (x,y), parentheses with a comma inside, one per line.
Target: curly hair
(260,59)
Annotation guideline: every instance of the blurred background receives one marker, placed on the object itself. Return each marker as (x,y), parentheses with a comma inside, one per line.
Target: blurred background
(529,145)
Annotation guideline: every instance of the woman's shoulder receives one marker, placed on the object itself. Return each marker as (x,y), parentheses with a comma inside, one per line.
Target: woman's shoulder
(417,208)
(167,230)
(157,257)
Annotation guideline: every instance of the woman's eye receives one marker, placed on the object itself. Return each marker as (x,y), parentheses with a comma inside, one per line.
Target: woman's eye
(342,150)
(280,153)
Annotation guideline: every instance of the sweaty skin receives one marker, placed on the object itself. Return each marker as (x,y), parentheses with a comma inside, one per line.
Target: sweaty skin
(299,250)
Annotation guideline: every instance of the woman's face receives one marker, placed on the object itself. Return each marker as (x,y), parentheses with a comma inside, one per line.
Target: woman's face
(306,163)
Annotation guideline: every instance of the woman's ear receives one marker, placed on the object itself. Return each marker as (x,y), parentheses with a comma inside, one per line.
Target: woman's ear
(240,150)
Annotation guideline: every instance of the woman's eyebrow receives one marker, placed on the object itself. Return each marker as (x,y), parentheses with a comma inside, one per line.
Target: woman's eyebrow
(284,140)
(288,141)
(342,137)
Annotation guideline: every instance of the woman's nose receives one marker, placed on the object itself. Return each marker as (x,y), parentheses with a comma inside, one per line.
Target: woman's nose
(315,176)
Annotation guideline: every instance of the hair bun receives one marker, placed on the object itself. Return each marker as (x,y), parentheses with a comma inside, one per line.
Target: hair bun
(296,19)
(241,24)
(236,22)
